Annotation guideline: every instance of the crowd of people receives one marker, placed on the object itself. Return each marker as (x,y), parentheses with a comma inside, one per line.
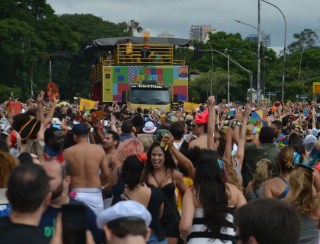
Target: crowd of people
(217,174)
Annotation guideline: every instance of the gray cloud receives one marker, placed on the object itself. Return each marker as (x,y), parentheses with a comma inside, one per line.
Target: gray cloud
(176,16)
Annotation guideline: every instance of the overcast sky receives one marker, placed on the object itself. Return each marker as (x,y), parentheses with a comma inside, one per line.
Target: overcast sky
(177,16)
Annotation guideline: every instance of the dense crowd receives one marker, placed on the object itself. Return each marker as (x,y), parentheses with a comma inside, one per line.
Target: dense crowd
(221,173)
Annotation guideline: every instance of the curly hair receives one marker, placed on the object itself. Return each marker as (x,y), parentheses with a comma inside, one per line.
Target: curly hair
(301,188)
(210,191)
(8,163)
(128,148)
(262,173)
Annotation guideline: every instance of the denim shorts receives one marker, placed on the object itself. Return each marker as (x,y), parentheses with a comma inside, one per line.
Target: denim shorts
(154,240)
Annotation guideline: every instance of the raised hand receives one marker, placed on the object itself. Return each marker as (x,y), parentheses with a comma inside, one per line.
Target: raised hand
(40,98)
(211,100)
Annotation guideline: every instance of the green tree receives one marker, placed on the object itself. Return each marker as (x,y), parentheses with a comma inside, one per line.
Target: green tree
(305,39)
(131,26)
(242,51)
(20,47)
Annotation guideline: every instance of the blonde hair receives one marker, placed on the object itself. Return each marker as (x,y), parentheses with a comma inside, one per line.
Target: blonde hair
(301,188)
(262,173)
(231,176)
(286,159)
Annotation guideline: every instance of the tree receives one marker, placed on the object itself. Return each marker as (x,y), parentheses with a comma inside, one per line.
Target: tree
(131,26)
(20,47)
(242,51)
(305,39)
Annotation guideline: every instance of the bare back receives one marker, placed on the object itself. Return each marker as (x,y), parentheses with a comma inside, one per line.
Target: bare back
(200,142)
(274,187)
(85,161)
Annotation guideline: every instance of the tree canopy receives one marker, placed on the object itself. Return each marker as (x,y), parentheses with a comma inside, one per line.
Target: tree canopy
(32,36)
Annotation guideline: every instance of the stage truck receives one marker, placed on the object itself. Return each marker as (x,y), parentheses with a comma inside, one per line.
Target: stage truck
(143,72)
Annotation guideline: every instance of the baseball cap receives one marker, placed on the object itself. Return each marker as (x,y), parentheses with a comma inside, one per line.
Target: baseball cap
(310,142)
(122,211)
(158,135)
(80,129)
(56,121)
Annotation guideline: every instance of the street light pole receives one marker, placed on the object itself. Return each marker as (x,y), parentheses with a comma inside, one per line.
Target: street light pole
(258,56)
(31,82)
(228,77)
(284,48)
(230,59)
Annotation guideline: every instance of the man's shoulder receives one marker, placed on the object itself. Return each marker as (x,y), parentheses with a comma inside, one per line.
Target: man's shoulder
(83,148)
(5,221)
(20,233)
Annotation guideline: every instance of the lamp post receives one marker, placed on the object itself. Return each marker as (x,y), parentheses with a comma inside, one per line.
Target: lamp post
(230,59)
(228,79)
(301,62)
(284,48)
(228,82)
(211,68)
(31,82)
(258,56)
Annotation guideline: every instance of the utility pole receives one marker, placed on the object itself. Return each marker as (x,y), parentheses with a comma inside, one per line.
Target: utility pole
(233,61)
(258,56)
(228,78)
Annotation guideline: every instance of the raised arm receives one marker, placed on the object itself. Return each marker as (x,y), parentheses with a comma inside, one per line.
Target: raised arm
(313,118)
(182,160)
(242,139)
(211,123)
(40,114)
(228,148)
(113,123)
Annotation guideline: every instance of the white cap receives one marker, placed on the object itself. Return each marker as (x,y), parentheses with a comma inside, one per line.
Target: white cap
(124,210)
(56,121)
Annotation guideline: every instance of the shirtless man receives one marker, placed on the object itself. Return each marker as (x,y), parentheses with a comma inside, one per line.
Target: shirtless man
(110,144)
(85,160)
(199,129)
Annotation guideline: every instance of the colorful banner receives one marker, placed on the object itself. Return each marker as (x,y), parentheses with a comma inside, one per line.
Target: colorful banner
(116,80)
(86,104)
(14,108)
(189,107)
(316,88)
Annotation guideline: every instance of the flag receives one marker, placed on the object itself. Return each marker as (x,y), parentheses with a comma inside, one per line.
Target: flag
(86,104)
(52,90)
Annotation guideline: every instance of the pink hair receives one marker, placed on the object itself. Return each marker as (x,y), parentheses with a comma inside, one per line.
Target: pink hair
(128,148)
